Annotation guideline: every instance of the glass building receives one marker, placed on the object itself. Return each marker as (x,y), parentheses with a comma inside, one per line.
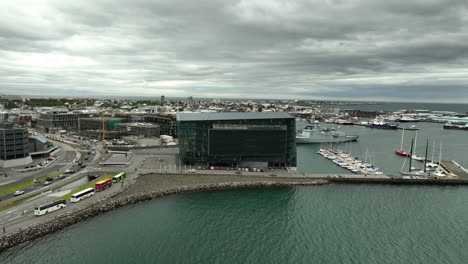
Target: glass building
(236,138)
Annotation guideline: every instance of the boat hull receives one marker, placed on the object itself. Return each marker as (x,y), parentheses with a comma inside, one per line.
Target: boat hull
(455,127)
(304,140)
(383,126)
(402,153)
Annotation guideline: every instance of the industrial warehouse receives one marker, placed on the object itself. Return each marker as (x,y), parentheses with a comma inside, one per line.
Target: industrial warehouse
(260,139)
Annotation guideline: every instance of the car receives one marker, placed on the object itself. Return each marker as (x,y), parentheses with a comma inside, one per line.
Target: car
(238,172)
(70,171)
(86,158)
(18,193)
(47,182)
(83,165)
(92,177)
(36,181)
(192,171)
(61,176)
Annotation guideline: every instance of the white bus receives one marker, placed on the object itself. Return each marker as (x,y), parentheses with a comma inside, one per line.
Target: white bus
(76,197)
(44,209)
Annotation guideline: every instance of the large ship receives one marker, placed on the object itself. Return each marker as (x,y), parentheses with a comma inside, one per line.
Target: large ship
(312,134)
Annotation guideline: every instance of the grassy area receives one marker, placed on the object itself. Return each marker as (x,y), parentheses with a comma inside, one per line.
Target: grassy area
(89,185)
(27,184)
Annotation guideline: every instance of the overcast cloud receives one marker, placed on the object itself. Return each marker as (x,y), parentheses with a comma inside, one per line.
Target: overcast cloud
(318,49)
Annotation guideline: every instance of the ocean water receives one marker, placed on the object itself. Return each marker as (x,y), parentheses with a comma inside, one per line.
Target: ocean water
(380,145)
(318,224)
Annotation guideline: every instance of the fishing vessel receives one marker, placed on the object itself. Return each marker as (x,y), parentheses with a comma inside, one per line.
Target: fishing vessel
(380,123)
(455,126)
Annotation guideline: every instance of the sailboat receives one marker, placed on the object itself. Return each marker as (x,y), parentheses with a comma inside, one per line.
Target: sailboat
(414,155)
(430,169)
(410,169)
(402,152)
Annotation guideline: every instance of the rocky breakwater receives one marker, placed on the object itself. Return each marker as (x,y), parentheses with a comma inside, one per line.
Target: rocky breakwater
(64,220)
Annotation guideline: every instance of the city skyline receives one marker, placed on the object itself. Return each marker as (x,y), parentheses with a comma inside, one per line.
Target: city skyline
(318,50)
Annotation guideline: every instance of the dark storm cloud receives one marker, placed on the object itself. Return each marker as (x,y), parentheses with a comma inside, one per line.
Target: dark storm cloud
(333,49)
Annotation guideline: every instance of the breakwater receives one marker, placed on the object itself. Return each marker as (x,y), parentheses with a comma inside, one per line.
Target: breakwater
(67,219)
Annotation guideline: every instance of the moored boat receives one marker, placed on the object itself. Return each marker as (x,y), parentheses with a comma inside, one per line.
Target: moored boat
(455,126)
(380,123)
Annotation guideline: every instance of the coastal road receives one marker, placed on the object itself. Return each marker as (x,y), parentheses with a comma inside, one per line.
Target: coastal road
(49,194)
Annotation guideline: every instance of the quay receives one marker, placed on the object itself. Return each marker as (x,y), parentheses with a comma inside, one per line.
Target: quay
(453,168)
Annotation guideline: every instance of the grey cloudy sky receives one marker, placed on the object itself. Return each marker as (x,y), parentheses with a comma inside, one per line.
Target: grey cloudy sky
(317,49)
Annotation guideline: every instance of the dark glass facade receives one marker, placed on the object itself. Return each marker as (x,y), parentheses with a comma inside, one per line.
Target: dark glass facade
(231,141)
(14,142)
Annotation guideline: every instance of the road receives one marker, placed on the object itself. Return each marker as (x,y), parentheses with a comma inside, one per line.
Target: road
(68,160)
(147,160)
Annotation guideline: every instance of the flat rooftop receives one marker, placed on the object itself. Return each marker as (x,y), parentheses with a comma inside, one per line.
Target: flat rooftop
(232,116)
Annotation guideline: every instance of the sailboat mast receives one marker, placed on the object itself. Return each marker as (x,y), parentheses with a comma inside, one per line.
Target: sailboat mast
(411,155)
(433,149)
(415,143)
(425,157)
(402,136)
(440,152)
(365,160)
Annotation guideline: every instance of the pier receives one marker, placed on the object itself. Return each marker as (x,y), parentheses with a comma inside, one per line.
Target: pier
(354,165)
(453,168)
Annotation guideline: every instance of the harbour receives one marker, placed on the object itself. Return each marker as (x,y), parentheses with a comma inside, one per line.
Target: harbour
(323,218)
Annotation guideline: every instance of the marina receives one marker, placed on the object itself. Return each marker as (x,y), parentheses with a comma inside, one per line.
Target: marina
(382,144)
(352,164)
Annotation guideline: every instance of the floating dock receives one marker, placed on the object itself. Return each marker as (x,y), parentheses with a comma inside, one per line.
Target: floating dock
(345,161)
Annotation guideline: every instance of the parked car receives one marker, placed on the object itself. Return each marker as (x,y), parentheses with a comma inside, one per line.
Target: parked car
(18,193)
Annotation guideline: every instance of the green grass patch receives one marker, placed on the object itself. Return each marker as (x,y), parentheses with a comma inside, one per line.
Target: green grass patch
(27,184)
(89,185)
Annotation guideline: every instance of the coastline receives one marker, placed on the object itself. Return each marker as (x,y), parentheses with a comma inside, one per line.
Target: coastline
(147,187)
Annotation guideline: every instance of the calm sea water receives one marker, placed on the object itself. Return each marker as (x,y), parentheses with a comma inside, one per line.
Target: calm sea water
(326,224)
